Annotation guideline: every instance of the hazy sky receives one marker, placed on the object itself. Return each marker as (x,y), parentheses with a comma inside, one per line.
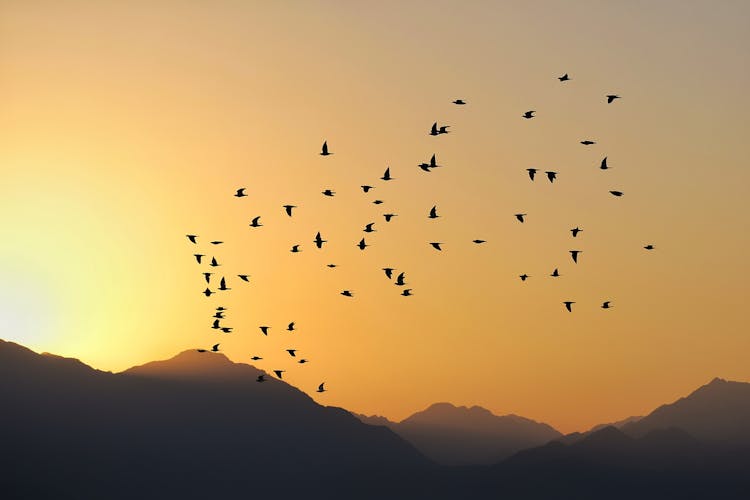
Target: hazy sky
(126,125)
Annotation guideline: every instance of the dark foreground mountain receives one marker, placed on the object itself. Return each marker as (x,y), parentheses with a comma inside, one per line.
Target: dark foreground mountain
(458,435)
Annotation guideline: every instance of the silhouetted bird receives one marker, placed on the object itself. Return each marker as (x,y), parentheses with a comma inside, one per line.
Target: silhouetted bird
(321,388)
(292,352)
(389,272)
(575,231)
(198,257)
(407,292)
(362,245)
(551,175)
(347,293)
(388,217)
(368,228)
(289,208)
(436,245)
(331,265)
(532,172)
(201,350)
(324,149)
(221,308)
(217,242)
(256,358)
(524,277)
(604,165)
(479,241)
(303,361)
(569,305)
(387,175)
(214,262)
(588,143)
(459,102)
(192,237)
(520,217)
(226,330)
(216,325)
(377,202)
(223,284)
(606,304)
(434,129)
(256,222)
(219,315)
(529,114)
(240,193)
(319,240)
(649,247)
(207,276)
(215,348)
(616,193)
(574,254)
(564,78)
(555,273)
(295,249)
(207,292)
(400,280)
(427,166)
(328,192)
(444,129)
(279,372)
(433,213)
(290,327)
(261,378)
(264,330)
(366,188)
(244,277)
(611,98)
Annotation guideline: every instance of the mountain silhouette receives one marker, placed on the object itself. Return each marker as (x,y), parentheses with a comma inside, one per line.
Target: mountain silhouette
(459,435)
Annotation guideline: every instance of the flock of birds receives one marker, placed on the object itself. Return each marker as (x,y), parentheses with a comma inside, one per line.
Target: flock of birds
(318,241)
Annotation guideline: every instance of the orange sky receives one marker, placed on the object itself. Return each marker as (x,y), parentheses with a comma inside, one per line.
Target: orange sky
(124,126)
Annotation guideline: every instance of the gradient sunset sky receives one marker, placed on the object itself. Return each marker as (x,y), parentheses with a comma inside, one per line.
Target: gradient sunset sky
(126,125)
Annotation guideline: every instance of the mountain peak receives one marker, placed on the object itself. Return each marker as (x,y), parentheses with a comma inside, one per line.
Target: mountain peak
(194,364)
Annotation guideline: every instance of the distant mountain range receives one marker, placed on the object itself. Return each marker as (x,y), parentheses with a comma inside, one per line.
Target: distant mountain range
(200,426)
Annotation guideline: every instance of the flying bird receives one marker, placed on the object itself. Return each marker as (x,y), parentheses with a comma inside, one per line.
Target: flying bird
(319,240)
(256,358)
(328,192)
(192,237)
(574,254)
(529,114)
(321,388)
(279,372)
(460,102)
(524,277)
(532,172)
(215,348)
(292,352)
(324,149)
(604,165)
(303,361)
(288,209)
(216,325)
(588,143)
(207,292)
(331,265)
(444,129)
(388,217)
(433,213)
(606,304)
(555,274)
(198,257)
(261,378)
(611,98)
(347,293)
(478,242)
(569,305)
(407,292)
(564,78)
(649,247)
(368,228)
(377,202)
(295,249)
(387,174)
(223,284)
(207,276)
(219,315)
(217,242)
(244,277)
(389,272)
(520,217)
(226,330)
(427,166)
(434,129)
(362,245)
(214,262)
(551,175)
(616,193)
(221,308)
(400,280)
(575,231)
(240,193)
(256,222)
(264,329)
(290,327)
(366,188)
(436,245)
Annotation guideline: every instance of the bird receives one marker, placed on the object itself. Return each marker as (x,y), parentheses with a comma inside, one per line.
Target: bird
(264,329)
(555,274)
(198,257)
(328,192)
(207,292)
(434,129)
(436,245)
(215,348)
(217,242)
(240,193)
(460,102)
(575,231)
(616,193)
(321,388)
(388,217)
(478,242)
(362,245)
(331,265)
(219,314)
(587,142)
(606,304)
(303,361)
(319,240)
(207,276)
(290,327)
(256,222)
(221,308)
(400,280)
(520,217)
(192,237)
(347,293)
(366,188)
(216,325)
(564,78)
(612,97)
(532,172)
(444,129)
(524,277)
(292,352)
(214,262)
(289,208)
(389,272)
(244,277)
(377,202)
(407,292)
(295,249)
(433,213)
(223,284)
(387,175)
(201,350)
(226,330)
(427,166)
(368,228)
(569,305)
(324,149)
(529,114)
(551,175)
(261,378)
(279,372)
(649,247)
(604,165)
(574,254)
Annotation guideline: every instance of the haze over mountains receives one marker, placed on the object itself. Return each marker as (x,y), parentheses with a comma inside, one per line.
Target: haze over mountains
(199,425)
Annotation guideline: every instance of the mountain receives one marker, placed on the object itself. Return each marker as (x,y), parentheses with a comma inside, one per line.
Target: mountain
(718,412)
(195,425)
(458,435)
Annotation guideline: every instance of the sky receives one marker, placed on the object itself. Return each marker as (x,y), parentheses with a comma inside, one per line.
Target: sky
(126,126)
